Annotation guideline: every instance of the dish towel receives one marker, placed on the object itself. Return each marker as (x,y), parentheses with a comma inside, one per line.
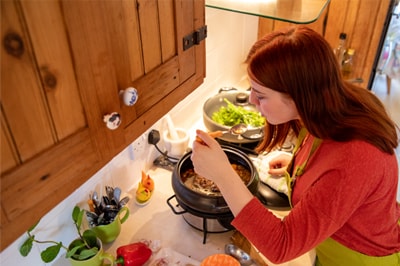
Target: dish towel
(261,163)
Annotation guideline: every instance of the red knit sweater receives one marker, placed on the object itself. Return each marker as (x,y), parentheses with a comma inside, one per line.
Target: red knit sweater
(348,192)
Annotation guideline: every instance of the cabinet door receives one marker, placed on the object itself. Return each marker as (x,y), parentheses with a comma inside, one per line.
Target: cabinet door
(76,58)
(363,22)
(45,142)
(139,43)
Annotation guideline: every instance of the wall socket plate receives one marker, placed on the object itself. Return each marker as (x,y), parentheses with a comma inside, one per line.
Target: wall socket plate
(142,153)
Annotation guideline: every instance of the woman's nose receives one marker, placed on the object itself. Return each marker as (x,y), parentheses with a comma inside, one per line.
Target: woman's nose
(253,98)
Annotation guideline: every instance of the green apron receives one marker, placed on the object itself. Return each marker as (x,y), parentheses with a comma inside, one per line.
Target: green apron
(331,252)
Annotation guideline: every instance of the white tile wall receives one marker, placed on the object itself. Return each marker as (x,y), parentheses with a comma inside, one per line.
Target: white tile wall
(229,37)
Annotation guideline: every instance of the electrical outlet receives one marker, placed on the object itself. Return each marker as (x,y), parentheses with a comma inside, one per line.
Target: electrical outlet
(139,147)
(142,153)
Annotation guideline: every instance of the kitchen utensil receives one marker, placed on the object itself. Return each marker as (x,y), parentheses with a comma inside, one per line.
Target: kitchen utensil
(238,129)
(117,194)
(110,192)
(176,147)
(95,197)
(243,258)
(239,98)
(171,128)
(205,212)
(123,201)
(205,202)
(109,232)
(241,129)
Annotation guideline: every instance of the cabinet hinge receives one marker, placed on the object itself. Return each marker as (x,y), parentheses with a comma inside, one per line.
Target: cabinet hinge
(195,37)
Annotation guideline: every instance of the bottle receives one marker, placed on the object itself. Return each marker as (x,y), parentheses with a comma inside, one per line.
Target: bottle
(347,67)
(341,48)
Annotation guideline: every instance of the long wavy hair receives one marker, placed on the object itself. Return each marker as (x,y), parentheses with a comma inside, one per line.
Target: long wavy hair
(299,62)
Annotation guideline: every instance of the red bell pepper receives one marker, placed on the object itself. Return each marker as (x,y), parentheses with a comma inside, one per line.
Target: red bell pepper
(135,254)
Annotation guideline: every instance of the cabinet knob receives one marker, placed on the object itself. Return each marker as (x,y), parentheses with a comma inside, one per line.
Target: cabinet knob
(112,120)
(129,96)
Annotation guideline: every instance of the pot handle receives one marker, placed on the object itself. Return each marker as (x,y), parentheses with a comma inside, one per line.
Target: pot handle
(172,207)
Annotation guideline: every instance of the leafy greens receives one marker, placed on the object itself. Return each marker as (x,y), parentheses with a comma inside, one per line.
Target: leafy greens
(231,115)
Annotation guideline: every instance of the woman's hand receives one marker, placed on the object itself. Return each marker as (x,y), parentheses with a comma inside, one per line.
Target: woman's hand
(278,165)
(209,160)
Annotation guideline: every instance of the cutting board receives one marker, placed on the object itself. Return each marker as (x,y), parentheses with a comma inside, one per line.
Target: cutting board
(239,240)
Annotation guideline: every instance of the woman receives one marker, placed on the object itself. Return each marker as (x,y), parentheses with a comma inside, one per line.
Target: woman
(344,171)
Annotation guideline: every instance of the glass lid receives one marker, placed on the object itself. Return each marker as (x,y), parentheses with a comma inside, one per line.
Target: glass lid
(294,11)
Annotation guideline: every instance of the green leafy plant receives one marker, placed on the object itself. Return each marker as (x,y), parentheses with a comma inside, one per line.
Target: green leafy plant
(82,248)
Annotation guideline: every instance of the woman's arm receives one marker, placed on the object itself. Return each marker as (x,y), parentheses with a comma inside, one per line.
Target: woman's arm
(210,161)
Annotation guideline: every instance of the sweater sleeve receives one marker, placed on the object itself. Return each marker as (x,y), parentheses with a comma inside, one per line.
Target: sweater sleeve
(281,240)
(335,205)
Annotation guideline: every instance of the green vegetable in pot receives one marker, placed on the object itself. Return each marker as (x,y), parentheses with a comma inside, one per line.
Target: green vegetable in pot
(231,115)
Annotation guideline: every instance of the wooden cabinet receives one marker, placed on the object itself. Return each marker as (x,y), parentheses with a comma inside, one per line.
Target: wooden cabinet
(63,65)
(362,21)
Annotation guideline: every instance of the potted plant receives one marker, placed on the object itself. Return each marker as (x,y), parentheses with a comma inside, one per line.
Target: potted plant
(85,247)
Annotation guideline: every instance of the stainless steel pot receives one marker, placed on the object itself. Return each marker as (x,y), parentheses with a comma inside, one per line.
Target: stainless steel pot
(239,98)
(209,204)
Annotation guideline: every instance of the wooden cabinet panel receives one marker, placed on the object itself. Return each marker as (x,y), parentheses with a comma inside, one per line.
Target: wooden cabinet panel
(107,37)
(167,29)
(95,34)
(43,182)
(361,20)
(185,11)
(78,56)
(21,95)
(50,44)
(134,44)
(46,148)
(8,156)
(150,33)
(41,95)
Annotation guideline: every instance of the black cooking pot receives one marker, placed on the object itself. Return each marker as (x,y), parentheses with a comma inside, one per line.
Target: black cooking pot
(239,98)
(201,202)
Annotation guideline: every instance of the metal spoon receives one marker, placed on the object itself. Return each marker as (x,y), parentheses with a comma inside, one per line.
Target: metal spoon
(243,258)
(95,197)
(110,192)
(117,194)
(123,201)
(238,130)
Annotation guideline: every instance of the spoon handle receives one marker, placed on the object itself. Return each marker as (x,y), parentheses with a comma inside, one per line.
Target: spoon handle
(214,134)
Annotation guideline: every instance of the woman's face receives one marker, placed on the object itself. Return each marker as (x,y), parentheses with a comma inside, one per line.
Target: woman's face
(275,106)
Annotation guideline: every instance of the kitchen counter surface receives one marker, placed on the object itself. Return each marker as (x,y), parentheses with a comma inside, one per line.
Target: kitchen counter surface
(156,222)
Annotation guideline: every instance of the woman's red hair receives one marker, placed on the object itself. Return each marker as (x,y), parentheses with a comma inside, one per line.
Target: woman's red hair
(299,62)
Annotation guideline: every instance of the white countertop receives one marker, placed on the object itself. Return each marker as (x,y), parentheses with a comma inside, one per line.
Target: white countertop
(156,221)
